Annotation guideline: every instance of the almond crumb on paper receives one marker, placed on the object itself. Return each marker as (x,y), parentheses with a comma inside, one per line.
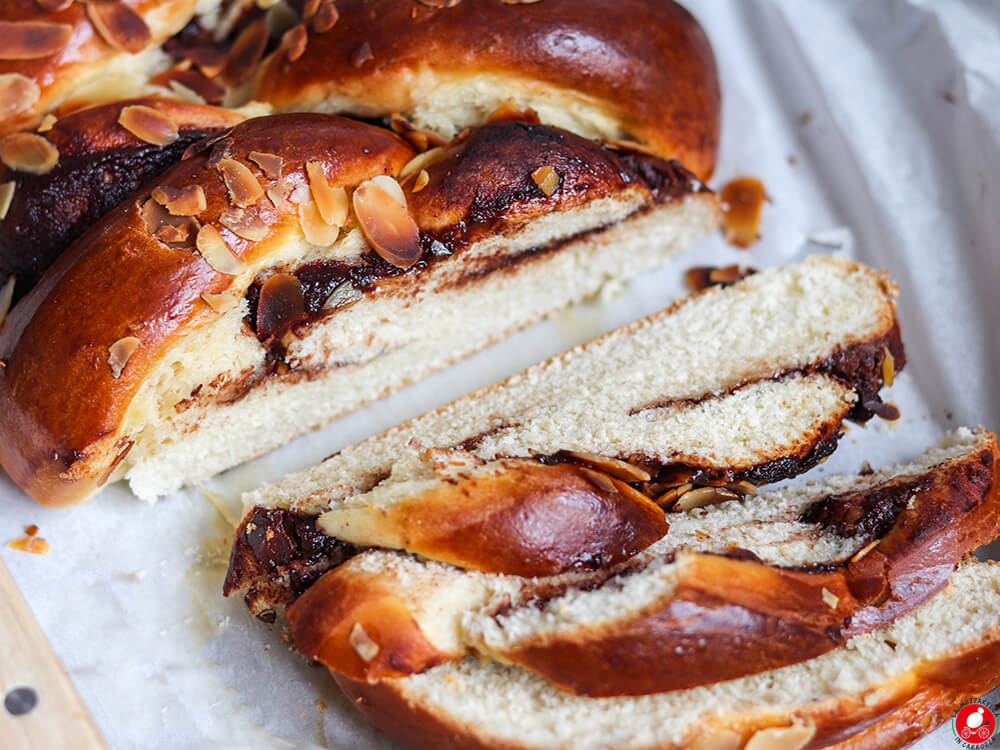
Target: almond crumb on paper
(30,542)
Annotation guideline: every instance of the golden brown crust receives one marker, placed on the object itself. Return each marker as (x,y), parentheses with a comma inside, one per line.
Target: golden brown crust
(100,163)
(61,444)
(644,63)
(84,57)
(502,521)
(897,713)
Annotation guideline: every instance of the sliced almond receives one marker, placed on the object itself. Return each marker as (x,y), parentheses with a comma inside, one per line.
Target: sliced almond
(54,6)
(667,499)
(47,123)
(743,487)
(547,179)
(246,52)
(702,497)
(208,59)
(6,297)
(391,186)
(316,230)
(192,86)
(278,194)
(270,164)
(177,231)
(244,190)
(600,480)
(718,739)
(420,161)
(216,252)
(362,644)
(120,352)
(509,110)
(31,40)
(421,182)
(888,368)
(615,467)
(244,223)
(421,140)
(343,294)
(173,234)
(27,152)
(331,202)
(120,26)
(361,55)
(386,223)
(294,41)
(309,9)
(830,599)
(17,94)
(794,737)
(148,124)
(186,201)
(221,303)
(6,197)
(436,4)
(865,550)
(326,17)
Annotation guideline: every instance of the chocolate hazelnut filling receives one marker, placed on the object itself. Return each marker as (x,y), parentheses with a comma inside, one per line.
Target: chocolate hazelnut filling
(50,211)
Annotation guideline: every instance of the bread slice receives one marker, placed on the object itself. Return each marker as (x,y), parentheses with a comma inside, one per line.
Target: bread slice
(737,385)
(730,590)
(146,355)
(878,691)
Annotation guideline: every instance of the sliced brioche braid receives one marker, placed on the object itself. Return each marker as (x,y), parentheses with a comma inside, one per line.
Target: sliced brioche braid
(822,564)
(878,691)
(745,383)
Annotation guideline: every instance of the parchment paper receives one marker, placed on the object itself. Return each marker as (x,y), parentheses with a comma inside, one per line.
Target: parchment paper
(874,125)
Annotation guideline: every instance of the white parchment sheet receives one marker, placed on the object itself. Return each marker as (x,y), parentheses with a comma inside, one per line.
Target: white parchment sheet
(874,125)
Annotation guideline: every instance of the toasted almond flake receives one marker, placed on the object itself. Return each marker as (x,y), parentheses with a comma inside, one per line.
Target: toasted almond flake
(666,500)
(326,17)
(618,144)
(830,599)
(704,496)
(615,467)
(300,194)
(27,152)
(148,124)
(208,59)
(192,86)
(36,545)
(6,197)
(344,294)
(436,4)
(270,164)
(331,202)
(244,190)
(278,194)
(120,352)
(216,252)
(120,26)
(6,297)
(47,123)
(719,739)
(17,93)
(221,303)
(420,161)
(386,223)
(743,487)
(172,234)
(391,186)
(362,55)
(186,201)
(547,179)
(246,52)
(795,737)
(729,274)
(295,40)
(421,140)
(865,550)
(421,182)
(316,230)
(888,368)
(244,224)
(54,6)
(510,110)
(599,479)
(31,40)
(362,644)
(309,9)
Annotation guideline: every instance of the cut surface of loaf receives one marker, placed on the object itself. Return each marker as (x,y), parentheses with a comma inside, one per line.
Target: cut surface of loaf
(641,70)
(880,690)
(270,286)
(729,590)
(745,383)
